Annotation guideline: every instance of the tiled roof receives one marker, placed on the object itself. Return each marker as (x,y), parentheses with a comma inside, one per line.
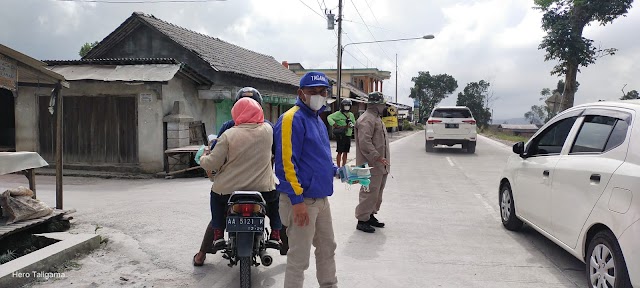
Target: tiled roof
(224,56)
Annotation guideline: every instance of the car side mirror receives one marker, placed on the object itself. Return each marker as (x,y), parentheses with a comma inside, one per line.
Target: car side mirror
(518,148)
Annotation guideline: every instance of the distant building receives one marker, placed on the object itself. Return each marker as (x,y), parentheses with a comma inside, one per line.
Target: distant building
(526,130)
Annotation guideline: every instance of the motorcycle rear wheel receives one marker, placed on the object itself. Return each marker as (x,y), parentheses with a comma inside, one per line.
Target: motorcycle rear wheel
(245,272)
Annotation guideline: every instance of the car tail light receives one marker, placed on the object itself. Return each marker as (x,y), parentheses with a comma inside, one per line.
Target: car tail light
(434,121)
(472,122)
(245,209)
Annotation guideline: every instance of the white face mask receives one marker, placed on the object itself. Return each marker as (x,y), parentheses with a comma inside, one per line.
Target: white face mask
(346,108)
(316,102)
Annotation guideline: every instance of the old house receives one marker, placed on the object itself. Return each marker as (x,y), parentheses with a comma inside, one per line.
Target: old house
(227,66)
(137,93)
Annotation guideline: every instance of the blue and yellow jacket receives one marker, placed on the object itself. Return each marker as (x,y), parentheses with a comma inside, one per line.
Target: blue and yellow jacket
(304,164)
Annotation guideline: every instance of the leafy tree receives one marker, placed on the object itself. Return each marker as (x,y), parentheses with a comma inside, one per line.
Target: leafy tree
(564,22)
(474,97)
(429,90)
(86,48)
(633,94)
(540,114)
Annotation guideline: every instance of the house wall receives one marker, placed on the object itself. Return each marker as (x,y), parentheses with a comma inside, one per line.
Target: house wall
(154,101)
(182,89)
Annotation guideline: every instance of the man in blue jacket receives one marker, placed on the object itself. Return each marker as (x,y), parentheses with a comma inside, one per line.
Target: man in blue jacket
(305,169)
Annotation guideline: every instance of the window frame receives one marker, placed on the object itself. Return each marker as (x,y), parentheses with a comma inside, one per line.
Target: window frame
(615,114)
(570,114)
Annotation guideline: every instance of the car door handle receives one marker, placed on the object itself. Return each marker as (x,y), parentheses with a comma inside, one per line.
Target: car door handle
(545,173)
(595,178)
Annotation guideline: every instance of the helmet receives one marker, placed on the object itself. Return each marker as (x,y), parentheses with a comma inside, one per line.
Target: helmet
(376,98)
(345,102)
(249,92)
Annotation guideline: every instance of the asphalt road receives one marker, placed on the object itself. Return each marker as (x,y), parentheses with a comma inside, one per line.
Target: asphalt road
(441,210)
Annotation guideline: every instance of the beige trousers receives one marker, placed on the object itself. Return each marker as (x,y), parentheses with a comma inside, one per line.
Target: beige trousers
(318,233)
(371,200)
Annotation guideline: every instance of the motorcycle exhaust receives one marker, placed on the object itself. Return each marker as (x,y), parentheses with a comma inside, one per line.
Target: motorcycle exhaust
(265,258)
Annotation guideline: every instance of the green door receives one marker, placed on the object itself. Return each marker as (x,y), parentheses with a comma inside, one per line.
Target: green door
(223,113)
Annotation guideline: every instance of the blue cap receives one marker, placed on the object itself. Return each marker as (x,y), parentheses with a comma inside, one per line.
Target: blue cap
(314,79)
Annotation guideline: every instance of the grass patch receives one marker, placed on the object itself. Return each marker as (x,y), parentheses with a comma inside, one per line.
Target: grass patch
(506,136)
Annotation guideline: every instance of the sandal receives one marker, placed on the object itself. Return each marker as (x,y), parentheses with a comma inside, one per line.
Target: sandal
(196,263)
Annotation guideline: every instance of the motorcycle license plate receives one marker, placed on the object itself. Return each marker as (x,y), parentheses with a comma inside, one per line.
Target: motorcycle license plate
(454,126)
(245,224)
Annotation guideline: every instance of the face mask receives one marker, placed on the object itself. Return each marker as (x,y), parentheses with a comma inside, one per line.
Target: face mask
(315,102)
(346,108)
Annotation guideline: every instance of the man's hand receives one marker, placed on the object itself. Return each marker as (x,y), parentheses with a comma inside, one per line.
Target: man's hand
(384,161)
(300,215)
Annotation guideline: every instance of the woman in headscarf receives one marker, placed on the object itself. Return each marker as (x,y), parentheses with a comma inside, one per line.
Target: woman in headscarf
(242,162)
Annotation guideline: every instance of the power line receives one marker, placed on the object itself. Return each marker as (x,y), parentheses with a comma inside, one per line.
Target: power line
(354,57)
(319,5)
(314,11)
(139,1)
(374,15)
(356,46)
(374,37)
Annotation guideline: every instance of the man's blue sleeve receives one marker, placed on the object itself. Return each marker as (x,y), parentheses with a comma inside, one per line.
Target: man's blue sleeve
(225,126)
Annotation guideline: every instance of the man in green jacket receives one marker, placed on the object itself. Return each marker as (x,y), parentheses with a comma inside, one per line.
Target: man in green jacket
(342,122)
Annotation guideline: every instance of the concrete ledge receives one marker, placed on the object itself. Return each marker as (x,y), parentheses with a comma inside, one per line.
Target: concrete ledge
(39,264)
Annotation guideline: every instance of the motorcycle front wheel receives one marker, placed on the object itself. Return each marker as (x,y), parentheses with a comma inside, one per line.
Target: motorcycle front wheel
(245,272)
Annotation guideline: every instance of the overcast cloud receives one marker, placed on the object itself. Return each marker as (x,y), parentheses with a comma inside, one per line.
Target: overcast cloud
(494,40)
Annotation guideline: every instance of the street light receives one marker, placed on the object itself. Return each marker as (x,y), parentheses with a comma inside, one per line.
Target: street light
(428,37)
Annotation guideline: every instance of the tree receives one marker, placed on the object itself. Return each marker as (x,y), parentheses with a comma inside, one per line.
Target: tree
(633,94)
(540,114)
(474,96)
(86,48)
(429,90)
(564,22)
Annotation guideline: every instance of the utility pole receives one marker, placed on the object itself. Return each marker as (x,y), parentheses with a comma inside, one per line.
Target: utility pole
(396,78)
(339,52)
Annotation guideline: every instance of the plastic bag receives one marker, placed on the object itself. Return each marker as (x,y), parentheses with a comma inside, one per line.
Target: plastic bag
(356,175)
(199,154)
(17,205)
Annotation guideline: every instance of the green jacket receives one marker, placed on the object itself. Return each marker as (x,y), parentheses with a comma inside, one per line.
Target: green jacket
(340,119)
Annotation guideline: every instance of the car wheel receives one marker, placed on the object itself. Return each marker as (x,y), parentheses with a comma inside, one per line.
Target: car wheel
(428,146)
(471,147)
(508,210)
(606,267)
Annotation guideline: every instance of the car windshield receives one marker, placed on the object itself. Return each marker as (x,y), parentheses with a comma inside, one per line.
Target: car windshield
(451,113)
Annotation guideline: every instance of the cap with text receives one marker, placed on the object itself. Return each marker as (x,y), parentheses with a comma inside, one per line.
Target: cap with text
(314,79)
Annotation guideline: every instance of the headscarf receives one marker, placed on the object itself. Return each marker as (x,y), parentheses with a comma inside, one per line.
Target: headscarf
(247,110)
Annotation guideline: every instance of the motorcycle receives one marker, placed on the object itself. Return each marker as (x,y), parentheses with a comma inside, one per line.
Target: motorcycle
(245,224)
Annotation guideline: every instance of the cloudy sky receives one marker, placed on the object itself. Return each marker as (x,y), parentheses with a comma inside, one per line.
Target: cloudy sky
(494,40)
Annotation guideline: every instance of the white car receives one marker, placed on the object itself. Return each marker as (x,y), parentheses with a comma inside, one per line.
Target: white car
(577,181)
(450,126)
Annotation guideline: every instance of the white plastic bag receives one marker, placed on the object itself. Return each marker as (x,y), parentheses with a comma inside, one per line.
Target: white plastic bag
(17,205)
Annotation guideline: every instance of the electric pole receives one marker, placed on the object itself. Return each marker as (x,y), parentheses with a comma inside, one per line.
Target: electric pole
(339,52)
(396,78)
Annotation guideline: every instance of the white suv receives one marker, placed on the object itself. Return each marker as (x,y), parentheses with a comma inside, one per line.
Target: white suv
(577,181)
(450,126)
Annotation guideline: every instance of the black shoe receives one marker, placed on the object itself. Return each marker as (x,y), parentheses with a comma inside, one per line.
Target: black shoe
(365,227)
(374,222)
(274,244)
(218,245)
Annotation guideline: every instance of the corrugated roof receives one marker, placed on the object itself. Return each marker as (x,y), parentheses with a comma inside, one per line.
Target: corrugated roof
(126,73)
(127,69)
(114,61)
(221,55)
